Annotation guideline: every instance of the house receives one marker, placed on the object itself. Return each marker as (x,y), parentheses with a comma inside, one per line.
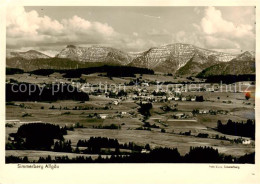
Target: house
(27,122)
(13,122)
(178,116)
(123,113)
(145,84)
(183,99)
(210,89)
(245,83)
(176,98)
(203,111)
(115,102)
(193,99)
(103,116)
(134,96)
(145,151)
(178,92)
(246,141)
(144,102)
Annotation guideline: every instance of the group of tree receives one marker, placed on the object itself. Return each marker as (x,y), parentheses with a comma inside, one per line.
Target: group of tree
(145,109)
(157,155)
(112,126)
(94,145)
(228,79)
(111,71)
(37,136)
(33,92)
(62,146)
(12,71)
(238,128)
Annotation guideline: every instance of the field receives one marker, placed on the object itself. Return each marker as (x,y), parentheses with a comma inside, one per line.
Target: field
(230,105)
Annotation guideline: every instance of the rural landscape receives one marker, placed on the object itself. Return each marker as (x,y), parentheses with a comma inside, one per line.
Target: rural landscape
(169,103)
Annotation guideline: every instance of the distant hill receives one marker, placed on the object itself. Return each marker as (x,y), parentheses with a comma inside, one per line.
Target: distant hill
(178,58)
(95,54)
(50,63)
(196,64)
(242,64)
(31,54)
(170,58)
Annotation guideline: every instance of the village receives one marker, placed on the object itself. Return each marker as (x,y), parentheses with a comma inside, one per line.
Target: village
(180,114)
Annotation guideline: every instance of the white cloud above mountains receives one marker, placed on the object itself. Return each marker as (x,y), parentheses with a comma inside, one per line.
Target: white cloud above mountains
(29,28)
(215,32)
(226,34)
(211,29)
(214,24)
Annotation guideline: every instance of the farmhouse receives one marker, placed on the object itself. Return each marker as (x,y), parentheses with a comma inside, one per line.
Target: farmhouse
(246,141)
(210,89)
(31,122)
(176,98)
(193,99)
(144,102)
(115,102)
(178,116)
(203,111)
(103,116)
(170,98)
(145,151)
(183,99)
(13,122)
(145,84)
(245,83)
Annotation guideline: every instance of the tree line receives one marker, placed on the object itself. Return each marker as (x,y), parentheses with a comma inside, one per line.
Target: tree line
(33,92)
(228,79)
(157,155)
(111,71)
(246,129)
(94,145)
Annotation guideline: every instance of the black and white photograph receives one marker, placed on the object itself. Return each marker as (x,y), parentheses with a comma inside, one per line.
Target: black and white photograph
(129,85)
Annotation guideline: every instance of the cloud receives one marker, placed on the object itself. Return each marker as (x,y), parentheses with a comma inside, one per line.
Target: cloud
(23,24)
(157,32)
(220,43)
(188,37)
(196,10)
(135,33)
(29,29)
(220,33)
(214,28)
(213,23)
(151,16)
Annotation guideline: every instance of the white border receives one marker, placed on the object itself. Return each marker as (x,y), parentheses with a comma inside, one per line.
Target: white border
(126,173)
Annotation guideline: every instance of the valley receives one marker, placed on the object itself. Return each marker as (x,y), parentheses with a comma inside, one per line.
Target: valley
(174,111)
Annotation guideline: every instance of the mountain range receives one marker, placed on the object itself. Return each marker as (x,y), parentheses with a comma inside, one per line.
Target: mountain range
(243,64)
(178,58)
(31,54)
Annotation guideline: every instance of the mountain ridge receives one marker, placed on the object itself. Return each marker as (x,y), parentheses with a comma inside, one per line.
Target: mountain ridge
(30,54)
(177,58)
(243,64)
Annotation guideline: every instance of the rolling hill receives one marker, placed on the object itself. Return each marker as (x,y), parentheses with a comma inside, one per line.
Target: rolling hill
(178,58)
(242,64)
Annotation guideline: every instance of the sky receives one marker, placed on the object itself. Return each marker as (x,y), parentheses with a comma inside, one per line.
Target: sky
(131,29)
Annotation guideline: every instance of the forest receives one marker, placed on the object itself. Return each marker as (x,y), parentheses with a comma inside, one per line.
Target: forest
(246,129)
(33,92)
